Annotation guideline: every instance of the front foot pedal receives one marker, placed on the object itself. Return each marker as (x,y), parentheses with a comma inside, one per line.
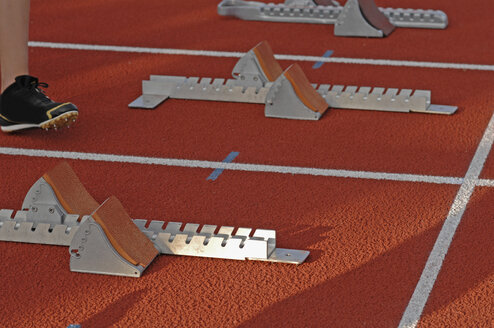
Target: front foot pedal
(109,243)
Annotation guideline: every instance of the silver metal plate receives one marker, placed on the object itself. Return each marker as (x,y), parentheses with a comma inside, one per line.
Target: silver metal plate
(147,101)
(439,109)
(289,256)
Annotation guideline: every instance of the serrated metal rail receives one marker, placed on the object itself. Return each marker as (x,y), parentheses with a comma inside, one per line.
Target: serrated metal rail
(368,98)
(280,12)
(298,14)
(196,88)
(301,12)
(18,228)
(337,96)
(416,18)
(175,238)
(172,238)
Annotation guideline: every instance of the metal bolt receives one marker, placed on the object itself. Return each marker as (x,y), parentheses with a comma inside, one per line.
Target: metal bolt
(51,210)
(34,209)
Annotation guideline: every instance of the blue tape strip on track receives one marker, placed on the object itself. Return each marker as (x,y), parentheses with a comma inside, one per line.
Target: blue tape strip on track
(327,54)
(216,173)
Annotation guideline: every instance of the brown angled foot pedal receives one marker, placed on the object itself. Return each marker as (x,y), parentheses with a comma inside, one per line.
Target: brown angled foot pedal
(108,242)
(362,18)
(57,195)
(292,96)
(375,17)
(257,67)
(70,191)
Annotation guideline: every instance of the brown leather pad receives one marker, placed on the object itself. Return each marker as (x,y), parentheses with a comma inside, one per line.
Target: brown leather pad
(375,17)
(123,234)
(69,190)
(324,2)
(304,90)
(269,65)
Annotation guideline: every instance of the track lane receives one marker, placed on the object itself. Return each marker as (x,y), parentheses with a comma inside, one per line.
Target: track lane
(488,171)
(195,25)
(464,291)
(97,92)
(102,85)
(375,251)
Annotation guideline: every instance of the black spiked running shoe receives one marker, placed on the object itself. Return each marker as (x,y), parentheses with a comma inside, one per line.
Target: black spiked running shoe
(23,105)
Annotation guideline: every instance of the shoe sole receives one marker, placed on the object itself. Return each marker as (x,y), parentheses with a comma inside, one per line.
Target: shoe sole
(63,120)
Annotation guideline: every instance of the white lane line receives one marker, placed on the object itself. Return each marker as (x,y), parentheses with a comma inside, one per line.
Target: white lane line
(434,263)
(341,60)
(485,183)
(231,166)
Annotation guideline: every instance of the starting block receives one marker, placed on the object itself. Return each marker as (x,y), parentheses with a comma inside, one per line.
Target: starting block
(109,243)
(258,78)
(103,239)
(359,18)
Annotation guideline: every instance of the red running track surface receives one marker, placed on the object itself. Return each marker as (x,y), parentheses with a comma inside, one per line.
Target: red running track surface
(369,239)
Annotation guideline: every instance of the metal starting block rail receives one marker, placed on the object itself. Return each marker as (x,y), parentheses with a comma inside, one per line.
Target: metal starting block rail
(108,241)
(259,79)
(361,18)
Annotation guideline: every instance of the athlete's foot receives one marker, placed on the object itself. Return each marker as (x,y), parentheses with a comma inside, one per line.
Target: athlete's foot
(23,105)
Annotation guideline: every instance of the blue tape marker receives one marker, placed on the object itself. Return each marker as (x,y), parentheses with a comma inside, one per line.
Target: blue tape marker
(216,173)
(327,54)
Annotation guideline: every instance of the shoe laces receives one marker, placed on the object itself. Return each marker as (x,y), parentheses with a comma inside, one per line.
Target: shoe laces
(36,87)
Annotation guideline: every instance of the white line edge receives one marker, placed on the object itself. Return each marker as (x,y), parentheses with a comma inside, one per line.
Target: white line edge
(186,52)
(235,166)
(416,305)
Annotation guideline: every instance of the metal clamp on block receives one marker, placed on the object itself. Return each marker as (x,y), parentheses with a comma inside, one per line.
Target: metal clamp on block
(109,243)
(42,203)
(293,97)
